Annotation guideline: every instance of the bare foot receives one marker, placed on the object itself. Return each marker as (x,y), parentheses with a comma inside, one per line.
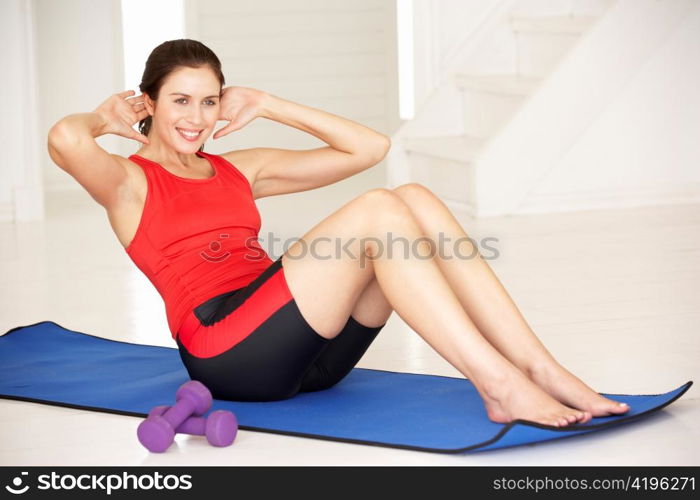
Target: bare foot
(562,385)
(517,397)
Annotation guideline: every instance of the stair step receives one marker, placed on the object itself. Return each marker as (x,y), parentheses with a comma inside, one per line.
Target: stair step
(552,24)
(460,148)
(498,83)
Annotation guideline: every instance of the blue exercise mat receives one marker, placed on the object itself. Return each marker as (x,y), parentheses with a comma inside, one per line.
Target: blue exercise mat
(46,363)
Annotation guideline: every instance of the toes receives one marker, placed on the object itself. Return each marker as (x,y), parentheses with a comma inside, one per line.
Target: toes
(621,407)
(575,416)
(607,409)
(613,408)
(587,417)
(553,421)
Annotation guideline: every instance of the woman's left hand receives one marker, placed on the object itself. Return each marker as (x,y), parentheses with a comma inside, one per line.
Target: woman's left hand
(239,106)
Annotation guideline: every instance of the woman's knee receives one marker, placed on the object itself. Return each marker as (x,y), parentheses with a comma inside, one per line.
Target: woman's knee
(383,205)
(379,197)
(413,191)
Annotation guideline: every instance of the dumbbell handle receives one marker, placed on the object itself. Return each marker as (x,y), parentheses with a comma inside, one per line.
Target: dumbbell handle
(191,425)
(179,412)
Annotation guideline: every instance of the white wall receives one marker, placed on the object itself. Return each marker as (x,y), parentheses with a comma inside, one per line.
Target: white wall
(140,34)
(334,55)
(646,145)
(80,64)
(21,195)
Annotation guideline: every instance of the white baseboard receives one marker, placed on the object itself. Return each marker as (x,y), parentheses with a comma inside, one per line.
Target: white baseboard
(7,212)
(610,199)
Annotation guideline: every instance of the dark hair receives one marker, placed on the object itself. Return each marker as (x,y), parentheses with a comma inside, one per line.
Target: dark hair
(166,58)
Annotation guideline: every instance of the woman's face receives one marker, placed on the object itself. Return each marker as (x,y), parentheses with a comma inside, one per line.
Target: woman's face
(187,109)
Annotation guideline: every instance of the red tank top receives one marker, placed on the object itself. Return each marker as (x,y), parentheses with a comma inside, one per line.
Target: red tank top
(197,238)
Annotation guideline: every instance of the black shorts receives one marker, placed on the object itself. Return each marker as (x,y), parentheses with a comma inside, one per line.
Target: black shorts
(253,344)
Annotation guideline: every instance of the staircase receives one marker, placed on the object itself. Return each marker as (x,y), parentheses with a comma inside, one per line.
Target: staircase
(449,164)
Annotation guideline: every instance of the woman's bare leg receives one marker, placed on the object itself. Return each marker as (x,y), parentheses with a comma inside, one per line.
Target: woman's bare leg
(327,284)
(492,309)
(372,308)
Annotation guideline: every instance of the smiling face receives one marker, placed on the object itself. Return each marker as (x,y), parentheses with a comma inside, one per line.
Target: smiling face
(186,111)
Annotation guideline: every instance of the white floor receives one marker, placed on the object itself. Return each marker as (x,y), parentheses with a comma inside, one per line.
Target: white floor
(612,294)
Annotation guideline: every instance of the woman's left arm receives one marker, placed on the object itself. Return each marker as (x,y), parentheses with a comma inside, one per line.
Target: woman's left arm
(352,148)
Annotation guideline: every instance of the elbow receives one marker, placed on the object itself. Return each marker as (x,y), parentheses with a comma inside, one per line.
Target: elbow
(55,136)
(375,152)
(60,136)
(386,143)
(54,152)
(58,139)
(52,141)
(382,149)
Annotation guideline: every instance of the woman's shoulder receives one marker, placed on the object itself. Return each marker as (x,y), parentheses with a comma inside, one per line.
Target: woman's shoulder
(236,156)
(247,161)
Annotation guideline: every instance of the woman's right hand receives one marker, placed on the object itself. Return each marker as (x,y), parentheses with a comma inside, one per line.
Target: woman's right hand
(120,112)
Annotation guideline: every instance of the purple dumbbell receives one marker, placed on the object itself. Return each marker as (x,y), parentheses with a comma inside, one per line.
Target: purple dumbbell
(158,431)
(220,426)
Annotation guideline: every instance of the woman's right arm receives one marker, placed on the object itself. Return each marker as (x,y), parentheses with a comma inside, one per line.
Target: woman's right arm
(72,146)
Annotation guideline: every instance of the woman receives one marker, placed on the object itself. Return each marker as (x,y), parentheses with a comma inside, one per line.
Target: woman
(257,330)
